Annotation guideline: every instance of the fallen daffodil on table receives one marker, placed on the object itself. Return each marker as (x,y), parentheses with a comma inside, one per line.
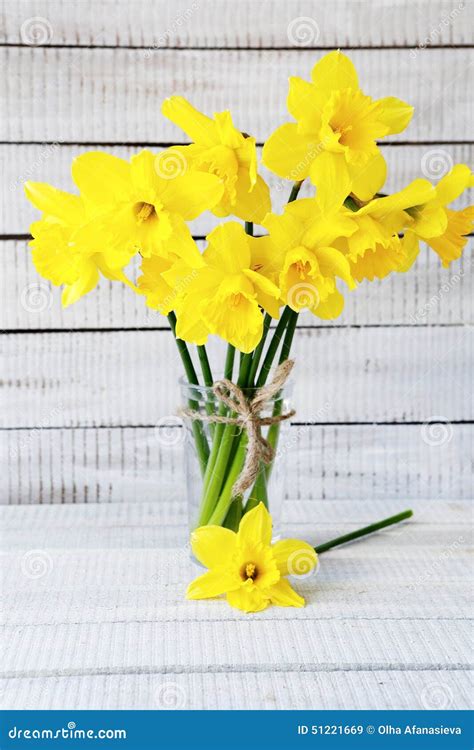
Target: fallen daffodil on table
(130,223)
(247,567)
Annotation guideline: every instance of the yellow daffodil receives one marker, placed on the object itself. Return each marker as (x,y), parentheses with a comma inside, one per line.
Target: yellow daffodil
(56,255)
(165,280)
(227,293)
(374,250)
(247,567)
(442,228)
(302,259)
(142,206)
(221,149)
(336,127)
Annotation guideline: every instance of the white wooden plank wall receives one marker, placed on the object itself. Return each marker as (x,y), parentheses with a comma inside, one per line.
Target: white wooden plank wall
(83,390)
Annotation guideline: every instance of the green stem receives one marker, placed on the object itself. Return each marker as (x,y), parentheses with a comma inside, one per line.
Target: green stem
(229,362)
(234,514)
(258,351)
(205,366)
(290,332)
(183,352)
(294,191)
(219,427)
(273,346)
(363,532)
(221,450)
(197,428)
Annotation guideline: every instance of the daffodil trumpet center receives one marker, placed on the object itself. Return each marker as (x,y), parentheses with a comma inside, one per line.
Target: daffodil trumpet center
(249,572)
(143,211)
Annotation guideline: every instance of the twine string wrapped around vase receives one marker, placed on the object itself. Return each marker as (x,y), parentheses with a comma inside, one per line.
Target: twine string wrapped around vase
(248,418)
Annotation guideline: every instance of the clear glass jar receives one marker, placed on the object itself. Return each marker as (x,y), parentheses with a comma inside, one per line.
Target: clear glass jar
(214,455)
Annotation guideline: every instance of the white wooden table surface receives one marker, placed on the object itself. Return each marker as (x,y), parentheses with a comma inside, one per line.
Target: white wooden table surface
(95,616)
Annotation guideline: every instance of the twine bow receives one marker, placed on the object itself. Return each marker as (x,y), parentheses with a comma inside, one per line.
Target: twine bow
(249,419)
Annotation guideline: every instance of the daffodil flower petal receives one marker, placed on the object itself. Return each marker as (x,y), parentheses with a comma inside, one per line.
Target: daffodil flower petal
(294,557)
(256,526)
(289,153)
(331,307)
(411,248)
(305,102)
(330,174)
(86,281)
(283,595)
(64,206)
(228,248)
(452,185)
(192,193)
(251,203)
(394,113)
(102,178)
(367,179)
(248,599)
(450,244)
(210,584)
(197,126)
(213,545)
(335,71)
(333,263)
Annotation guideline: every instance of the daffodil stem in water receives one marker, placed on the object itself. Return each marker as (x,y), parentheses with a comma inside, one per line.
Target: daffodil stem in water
(219,427)
(363,532)
(221,449)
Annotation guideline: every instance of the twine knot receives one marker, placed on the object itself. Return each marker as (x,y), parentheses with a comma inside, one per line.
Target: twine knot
(248,410)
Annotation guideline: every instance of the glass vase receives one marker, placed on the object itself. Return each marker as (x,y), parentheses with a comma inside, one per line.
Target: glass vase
(215,452)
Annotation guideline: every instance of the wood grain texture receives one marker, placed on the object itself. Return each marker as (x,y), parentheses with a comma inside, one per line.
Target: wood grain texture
(344,375)
(223,23)
(318,463)
(52,163)
(364,689)
(84,613)
(114,95)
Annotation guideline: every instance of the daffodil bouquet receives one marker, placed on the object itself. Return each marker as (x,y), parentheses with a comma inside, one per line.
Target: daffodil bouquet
(349,232)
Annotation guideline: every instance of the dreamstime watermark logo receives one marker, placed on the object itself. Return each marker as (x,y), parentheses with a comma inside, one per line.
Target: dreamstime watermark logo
(170,696)
(435,299)
(46,152)
(436,163)
(301,563)
(36,297)
(435,34)
(437,696)
(181,19)
(434,569)
(303,294)
(170,164)
(303,31)
(35,432)
(295,432)
(437,431)
(180,286)
(36,563)
(300,171)
(169,432)
(36,31)
(173,563)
